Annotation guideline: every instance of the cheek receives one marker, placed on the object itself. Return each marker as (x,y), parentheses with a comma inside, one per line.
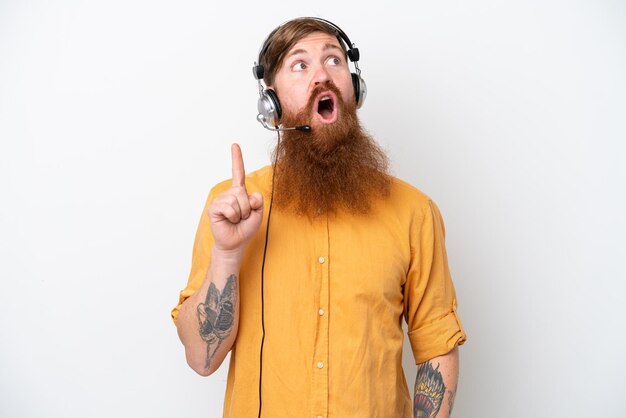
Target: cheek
(347,91)
(295,98)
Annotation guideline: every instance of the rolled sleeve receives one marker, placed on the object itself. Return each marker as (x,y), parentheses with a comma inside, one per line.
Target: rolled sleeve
(430,310)
(437,338)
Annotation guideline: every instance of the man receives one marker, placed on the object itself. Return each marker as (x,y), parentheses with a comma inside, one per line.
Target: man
(305,269)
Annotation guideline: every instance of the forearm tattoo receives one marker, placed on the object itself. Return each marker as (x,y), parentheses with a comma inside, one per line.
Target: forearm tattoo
(429,391)
(216,316)
(451,395)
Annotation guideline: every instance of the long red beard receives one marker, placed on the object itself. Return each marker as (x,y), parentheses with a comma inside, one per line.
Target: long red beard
(333,167)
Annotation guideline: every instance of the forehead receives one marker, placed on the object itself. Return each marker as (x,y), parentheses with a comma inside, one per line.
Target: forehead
(313,42)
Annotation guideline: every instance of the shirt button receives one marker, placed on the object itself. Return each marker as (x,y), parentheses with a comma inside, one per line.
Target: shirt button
(321,312)
(321,260)
(320,365)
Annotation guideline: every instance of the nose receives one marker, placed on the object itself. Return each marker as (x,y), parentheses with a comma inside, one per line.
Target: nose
(321,75)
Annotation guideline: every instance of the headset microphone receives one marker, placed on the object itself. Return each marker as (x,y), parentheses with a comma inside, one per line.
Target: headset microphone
(303,128)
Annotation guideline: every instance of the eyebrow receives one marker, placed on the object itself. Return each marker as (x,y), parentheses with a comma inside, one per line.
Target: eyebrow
(304,51)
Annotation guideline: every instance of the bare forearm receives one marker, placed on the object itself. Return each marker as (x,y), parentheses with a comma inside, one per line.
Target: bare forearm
(435,386)
(208,320)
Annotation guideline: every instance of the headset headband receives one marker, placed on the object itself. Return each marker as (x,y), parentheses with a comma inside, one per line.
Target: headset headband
(352,51)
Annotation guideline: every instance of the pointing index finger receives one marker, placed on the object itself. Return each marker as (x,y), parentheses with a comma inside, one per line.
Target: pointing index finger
(239,174)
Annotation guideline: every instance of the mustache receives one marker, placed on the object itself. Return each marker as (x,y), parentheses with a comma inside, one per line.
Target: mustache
(327,85)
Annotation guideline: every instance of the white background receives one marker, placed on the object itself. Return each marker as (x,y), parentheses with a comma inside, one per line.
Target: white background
(116,119)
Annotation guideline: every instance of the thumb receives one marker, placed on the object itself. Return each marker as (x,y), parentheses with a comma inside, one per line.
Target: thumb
(256,201)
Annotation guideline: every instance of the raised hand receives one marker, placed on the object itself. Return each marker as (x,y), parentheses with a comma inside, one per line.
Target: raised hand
(235,216)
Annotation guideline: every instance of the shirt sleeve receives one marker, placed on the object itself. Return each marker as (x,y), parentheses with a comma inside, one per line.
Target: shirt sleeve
(430,305)
(200,259)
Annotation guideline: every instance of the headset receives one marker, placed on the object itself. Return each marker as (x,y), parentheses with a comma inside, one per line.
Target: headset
(270,110)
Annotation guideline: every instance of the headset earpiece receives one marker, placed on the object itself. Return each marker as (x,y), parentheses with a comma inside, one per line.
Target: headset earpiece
(269,107)
(360,89)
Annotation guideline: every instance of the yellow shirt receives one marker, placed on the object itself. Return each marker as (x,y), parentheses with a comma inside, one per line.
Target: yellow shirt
(336,290)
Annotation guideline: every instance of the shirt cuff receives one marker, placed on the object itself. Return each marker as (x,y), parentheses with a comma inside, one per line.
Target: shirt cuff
(437,338)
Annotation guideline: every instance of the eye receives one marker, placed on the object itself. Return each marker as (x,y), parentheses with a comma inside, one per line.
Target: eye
(333,61)
(298,66)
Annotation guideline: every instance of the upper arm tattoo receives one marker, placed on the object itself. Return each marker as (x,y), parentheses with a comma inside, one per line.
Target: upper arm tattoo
(216,316)
(429,391)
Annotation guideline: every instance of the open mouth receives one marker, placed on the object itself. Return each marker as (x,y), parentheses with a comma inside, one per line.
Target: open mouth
(326,108)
